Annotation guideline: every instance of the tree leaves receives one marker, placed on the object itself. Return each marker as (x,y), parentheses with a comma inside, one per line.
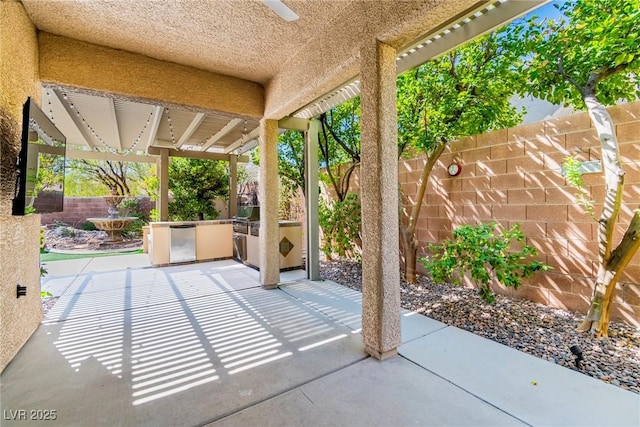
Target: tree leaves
(194,184)
(592,49)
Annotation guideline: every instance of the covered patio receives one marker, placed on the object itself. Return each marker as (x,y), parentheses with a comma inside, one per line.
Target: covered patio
(217,342)
(205,344)
(232,64)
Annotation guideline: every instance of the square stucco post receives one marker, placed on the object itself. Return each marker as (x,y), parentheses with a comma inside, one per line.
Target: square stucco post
(379,193)
(268,196)
(233,186)
(162,204)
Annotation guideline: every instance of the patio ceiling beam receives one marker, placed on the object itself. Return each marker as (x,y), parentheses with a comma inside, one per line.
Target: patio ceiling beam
(193,126)
(158,111)
(195,154)
(114,120)
(75,119)
(226,129)
(293,123)
(238,143)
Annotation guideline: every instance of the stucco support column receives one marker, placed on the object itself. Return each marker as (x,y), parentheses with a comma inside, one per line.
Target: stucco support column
(268,196)
(311,169)
(379,193)
(233,185)
(162,203)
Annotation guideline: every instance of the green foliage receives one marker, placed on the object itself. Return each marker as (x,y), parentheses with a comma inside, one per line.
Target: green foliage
(484,254)
(42,242)
(51,171)
(43,271)
(154,215)
(573,174)
(68,232)
(340,223)
(291,159)
(88,226)
(464,92)
(45,294)
(591,50)
(195,183)
(339,144)
(97,177)
(131,207)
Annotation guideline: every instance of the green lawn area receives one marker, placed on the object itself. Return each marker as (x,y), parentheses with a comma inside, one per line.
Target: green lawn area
(52,256)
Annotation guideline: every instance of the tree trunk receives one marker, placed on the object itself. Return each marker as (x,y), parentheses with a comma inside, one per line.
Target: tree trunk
(410,252)
(408,233)
(597,318)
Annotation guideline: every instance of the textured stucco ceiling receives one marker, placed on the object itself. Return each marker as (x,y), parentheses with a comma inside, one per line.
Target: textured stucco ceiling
(241,38)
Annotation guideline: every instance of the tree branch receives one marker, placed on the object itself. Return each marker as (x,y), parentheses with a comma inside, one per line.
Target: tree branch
(325,152)
(355,156)
(568,78)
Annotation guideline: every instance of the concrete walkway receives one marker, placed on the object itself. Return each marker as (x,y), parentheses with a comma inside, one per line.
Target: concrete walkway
(203,344)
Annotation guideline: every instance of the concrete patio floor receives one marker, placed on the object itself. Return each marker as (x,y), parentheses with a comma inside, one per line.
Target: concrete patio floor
(203,344)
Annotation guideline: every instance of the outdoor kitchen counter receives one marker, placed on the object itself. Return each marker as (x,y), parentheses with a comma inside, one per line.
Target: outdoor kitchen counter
(213,240)
(290,246)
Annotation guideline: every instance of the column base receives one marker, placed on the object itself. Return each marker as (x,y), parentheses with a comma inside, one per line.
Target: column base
(270,287)
(384,355)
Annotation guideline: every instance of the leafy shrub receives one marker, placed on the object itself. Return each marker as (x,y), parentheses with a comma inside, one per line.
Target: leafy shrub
(484,254)
(340,224)
(68,232)
(88,226)
(154,215)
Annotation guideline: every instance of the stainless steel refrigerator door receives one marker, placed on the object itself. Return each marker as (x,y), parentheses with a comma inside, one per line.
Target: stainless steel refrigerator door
(183,243)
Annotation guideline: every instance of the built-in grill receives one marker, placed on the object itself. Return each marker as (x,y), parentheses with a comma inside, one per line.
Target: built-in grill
(247,216)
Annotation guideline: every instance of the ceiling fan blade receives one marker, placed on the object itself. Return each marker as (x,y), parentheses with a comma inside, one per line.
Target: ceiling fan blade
(281,9)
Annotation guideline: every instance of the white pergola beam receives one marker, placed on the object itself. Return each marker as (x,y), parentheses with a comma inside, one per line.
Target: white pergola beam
(114,121)
(496,16)
(221,133)
(243,140)
(155,124)
(156,151)
(75,119)
(293,123)
(193,126)
(104,155)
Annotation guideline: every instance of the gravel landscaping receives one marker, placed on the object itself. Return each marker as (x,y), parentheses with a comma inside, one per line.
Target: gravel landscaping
(530,327)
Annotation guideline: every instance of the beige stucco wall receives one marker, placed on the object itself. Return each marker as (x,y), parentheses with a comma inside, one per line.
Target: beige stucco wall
(68,62)
(20,252)
(18,235)
(18,80)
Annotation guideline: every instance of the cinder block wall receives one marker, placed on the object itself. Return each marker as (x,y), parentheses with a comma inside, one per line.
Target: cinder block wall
(78,209)
(514,176)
